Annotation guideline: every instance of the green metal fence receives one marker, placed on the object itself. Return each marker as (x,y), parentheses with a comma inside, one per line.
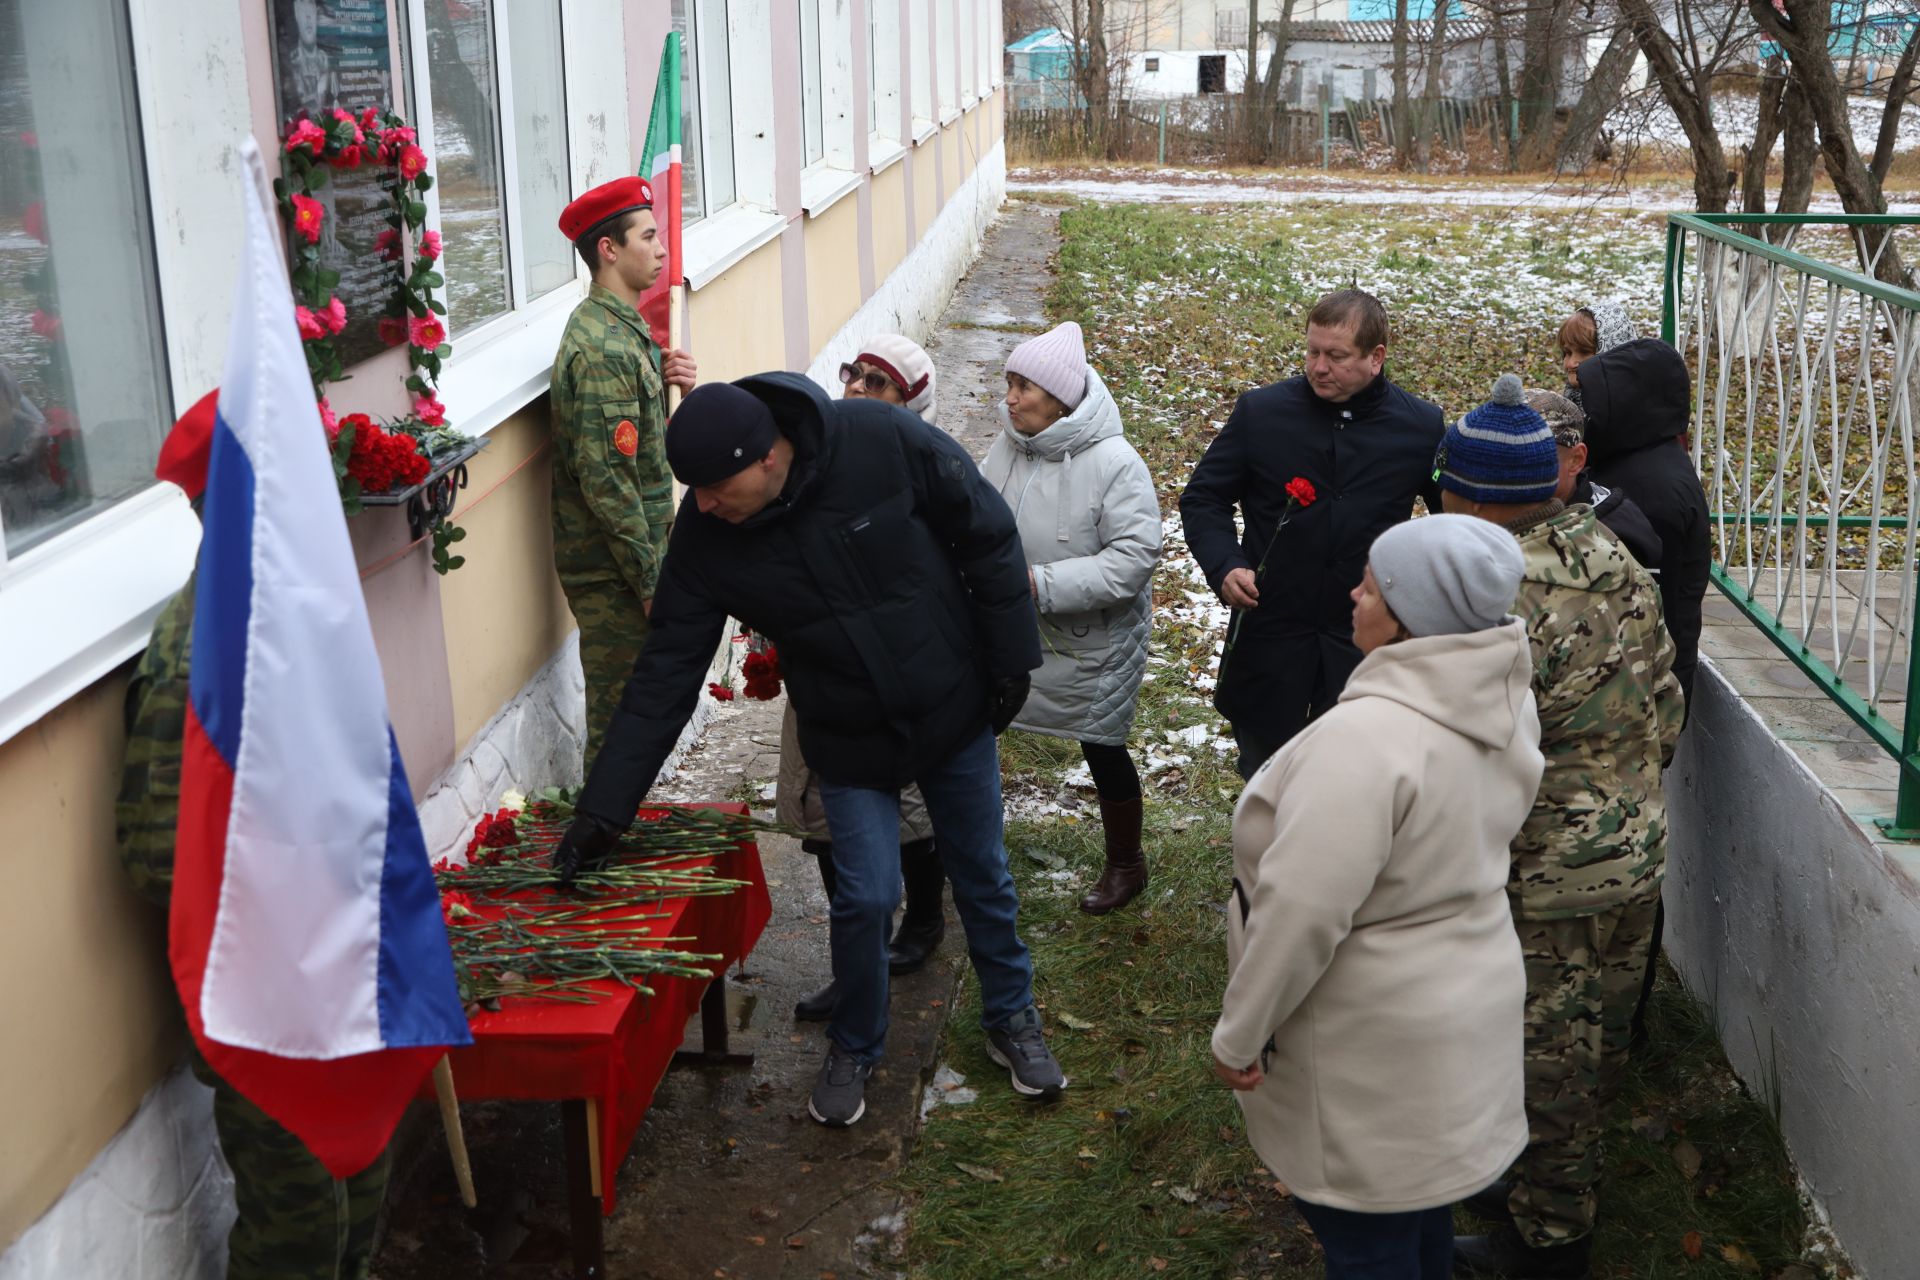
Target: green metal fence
(1806,379)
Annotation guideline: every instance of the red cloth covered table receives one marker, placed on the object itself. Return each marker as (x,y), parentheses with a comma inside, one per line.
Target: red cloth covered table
(616,1050)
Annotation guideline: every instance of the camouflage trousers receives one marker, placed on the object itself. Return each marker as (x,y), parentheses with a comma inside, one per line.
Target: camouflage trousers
(612,629)
(1583,981)
(297,1221)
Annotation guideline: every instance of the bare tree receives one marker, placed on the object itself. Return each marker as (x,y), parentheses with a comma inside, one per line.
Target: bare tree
(1402,142)
(1497,23)
(1898,87)
(1262,96)
(1597,100)
(1683,65)
(1543,33)
(1430,97)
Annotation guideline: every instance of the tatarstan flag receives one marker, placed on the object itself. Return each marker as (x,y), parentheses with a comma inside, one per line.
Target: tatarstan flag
(660,165)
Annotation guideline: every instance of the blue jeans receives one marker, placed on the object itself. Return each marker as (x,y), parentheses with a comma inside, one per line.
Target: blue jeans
(963,803)
(1383,1246)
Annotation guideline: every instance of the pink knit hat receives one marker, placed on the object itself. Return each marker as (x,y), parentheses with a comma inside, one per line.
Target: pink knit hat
(1056,362)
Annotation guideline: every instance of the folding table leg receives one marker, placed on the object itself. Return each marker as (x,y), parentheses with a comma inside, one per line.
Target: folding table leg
(713,1032)
(583,1206)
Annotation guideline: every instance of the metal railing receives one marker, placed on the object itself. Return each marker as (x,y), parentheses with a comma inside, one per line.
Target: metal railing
(1806,376)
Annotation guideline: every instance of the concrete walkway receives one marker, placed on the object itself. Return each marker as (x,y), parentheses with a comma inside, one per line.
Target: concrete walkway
(729,1177)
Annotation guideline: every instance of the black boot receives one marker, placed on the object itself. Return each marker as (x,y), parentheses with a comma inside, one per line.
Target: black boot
(1125,874)
(924,923)
(818,1007)
(1490,1204)
(1502,1255)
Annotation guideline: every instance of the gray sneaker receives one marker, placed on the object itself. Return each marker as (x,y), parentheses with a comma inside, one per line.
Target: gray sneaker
(1022,1050)
(839,1095)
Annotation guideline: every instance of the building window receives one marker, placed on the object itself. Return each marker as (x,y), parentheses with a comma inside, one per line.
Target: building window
(1213,73)
(83,379)
(883,68)
(920,74)
(706,109)
(1153,65)
(539,155)
(813,133)
(947,92)
(1230,29)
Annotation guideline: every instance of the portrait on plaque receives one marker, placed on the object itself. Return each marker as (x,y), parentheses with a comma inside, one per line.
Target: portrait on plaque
(328,54)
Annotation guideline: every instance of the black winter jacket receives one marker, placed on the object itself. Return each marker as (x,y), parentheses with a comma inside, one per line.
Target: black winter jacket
(1637,400)
(889,576)
(1367,460)
(1623,518)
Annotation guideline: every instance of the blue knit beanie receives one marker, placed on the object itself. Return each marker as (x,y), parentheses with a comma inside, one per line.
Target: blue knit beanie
(1501,452)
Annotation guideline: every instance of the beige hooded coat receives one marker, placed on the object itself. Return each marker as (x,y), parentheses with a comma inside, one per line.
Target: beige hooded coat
(1375,971)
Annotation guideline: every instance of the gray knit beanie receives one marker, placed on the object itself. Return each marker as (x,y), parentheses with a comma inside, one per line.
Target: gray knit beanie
(1056,362)
(1447,575)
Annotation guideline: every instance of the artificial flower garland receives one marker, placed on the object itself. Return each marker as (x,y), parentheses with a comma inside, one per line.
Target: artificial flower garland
(369,456)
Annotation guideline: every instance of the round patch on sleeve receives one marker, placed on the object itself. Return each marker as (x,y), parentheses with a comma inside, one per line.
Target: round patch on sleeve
(626,438)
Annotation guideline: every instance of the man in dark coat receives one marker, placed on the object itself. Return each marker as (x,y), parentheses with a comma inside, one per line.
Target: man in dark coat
(1367,448)
(1637,401)
(888,574)
(1620,514)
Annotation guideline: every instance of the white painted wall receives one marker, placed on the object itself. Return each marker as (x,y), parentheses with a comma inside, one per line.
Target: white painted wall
(1802,936)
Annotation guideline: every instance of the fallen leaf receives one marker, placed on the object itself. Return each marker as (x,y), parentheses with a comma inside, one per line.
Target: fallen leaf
(796,1242)
(763,1213)
(1686,1157)
(1158,1264)
(1651,1127)
(981,1172)
(816,919)
(936,1004)
(1226,1133)
(1740,1258)
(1690,1244)
(1070,1022)
(1185,1231)
(1185,1195)
(1280,1189)
(1140,938)
(1051,861)
(1087,1153)
(756,1240)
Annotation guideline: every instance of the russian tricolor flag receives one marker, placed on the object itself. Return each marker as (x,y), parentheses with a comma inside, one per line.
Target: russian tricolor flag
(306,935)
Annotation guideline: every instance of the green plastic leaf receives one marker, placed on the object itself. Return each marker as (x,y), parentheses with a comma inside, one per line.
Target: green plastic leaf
(317,177)
(444,350)
(424,182)
(431,280)
(439,307)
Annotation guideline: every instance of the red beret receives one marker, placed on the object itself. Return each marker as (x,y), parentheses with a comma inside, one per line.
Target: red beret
(609,199)
(183,455)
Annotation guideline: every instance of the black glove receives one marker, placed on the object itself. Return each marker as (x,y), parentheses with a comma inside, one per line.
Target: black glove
(585,846)
(1009,695)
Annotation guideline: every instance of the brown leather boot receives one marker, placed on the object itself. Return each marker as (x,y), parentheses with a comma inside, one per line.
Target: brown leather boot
(1125,874)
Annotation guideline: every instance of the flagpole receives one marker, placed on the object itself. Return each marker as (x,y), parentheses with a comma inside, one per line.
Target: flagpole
(456,1138)
(674,295)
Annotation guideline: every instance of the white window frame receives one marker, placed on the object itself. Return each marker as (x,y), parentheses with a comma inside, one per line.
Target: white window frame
(727,235)
(920,38)
(833,177)
(946,63)
(966,34)
(996,46)
(884,130)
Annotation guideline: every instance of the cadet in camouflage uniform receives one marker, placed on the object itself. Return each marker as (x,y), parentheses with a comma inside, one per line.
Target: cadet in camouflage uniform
(296,1221)
(1588,864)
(612,491)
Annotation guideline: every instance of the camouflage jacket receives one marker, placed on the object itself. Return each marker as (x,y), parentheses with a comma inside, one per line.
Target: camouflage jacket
(612,491)
(1610,710)
(148,805)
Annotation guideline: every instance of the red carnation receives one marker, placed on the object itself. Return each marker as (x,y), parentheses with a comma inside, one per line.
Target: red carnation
(720,692)
(455,905)
(650,815)
(1300,490)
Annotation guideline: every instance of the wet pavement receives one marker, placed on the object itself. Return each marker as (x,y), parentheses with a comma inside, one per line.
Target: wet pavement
(728,1177)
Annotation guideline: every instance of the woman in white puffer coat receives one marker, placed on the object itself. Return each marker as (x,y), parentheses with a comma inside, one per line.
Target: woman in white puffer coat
(1090,524)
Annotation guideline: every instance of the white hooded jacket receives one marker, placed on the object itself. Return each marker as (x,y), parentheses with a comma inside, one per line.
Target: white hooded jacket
(1090,524)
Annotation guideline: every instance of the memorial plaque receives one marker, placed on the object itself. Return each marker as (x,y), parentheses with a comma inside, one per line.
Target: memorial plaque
(336,53)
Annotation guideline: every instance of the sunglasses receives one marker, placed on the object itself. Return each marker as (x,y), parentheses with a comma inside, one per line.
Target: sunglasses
(873,380)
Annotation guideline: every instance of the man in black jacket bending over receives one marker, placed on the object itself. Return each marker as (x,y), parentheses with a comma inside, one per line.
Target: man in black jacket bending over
(889,576)
(1367,448)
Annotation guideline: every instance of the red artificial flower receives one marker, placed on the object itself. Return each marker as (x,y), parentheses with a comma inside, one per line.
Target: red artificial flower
(392,330)
(329,423)
(309,323)
(720,692)
(309,135)
(391,140)
(60,420)
(46,324)
(430,245)
(335,316)
(370,119)
(429,410)
(346,118)
(350,156)
(413,162)
(1300,490)
(30,140)
(34,221)
(426,332)
(388,243)
(307,216)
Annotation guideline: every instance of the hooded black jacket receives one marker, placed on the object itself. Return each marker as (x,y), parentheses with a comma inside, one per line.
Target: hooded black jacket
(1623,518)
(1637,400)
(889,576)
(1367,459)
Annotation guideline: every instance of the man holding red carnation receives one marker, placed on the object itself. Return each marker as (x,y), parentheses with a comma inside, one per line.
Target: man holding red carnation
(612,492)
(1317,466)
